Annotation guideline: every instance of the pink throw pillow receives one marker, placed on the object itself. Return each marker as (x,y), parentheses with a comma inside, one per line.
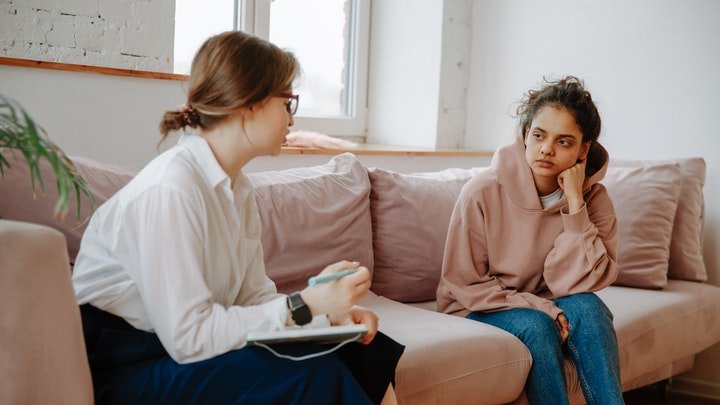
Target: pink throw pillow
(20,203)
(313,217)
(410,216)
(645,200)
(686,246)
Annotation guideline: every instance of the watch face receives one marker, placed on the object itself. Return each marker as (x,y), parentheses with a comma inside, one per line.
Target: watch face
(301,314)
(296,300)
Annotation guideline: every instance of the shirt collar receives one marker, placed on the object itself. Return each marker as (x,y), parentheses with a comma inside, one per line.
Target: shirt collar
(214,173)
(200,149)
(242,186)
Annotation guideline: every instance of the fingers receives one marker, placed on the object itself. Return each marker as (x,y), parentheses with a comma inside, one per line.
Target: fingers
(357,284)
(571,180)
(563,326)
(341,318)
(368,318)
(345,264)
(339,295)
(369,336)
(357,291)
(364,285)
(563,322)
(360,277)
(564,333)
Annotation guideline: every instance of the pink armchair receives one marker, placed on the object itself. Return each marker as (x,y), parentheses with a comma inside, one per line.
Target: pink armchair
(42,350)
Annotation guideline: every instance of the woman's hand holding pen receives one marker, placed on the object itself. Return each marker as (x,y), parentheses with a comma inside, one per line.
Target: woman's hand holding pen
(571,181)
(338,296)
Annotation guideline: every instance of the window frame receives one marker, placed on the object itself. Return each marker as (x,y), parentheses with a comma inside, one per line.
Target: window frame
(253,16)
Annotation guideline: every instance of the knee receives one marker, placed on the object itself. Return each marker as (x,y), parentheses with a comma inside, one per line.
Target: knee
(327,367)
(535,329)
(586,312)
(584,305)
(540,332)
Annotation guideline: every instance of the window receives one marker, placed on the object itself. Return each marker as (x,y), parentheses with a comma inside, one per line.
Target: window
(329,38)
(196,21)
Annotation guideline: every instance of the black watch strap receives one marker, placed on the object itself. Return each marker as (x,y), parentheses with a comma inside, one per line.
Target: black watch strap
(299,311)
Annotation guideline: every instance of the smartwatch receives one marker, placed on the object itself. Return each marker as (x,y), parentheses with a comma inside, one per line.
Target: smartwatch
(299,311)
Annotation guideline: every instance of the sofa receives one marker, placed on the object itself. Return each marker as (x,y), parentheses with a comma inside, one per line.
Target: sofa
(395,224)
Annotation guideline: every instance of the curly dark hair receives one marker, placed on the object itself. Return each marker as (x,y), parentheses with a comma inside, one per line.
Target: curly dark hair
(568,93)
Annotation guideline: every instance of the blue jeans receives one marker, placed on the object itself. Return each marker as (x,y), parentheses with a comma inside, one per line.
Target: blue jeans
(592,346)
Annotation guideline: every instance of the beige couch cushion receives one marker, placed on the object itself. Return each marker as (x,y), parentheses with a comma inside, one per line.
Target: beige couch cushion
(645,200)
(656,330)
(686,247)
(313,217)
(19,202)
(449,359)
(410,216)
(659,327)
(42,351)
(299,209)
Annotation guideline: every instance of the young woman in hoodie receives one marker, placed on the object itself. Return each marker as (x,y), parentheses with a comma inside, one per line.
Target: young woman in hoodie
(532,238)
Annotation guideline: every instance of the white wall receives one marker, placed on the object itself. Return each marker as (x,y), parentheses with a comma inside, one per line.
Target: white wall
(110,118)
(454,74)
(419,72)
(404,72)
(115,120)
(651,65)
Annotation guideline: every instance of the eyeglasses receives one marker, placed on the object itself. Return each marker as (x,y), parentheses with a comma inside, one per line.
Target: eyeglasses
(292,104)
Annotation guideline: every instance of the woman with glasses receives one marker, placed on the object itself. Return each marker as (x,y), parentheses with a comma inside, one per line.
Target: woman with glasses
(170,274)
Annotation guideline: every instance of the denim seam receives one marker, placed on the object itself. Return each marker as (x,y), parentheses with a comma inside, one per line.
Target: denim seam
(581,376)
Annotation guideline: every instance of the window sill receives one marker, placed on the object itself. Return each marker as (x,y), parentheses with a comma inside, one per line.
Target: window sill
(73,67)
(385,150)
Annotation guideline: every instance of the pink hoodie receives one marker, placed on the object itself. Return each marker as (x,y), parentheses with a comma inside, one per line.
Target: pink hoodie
(503,250)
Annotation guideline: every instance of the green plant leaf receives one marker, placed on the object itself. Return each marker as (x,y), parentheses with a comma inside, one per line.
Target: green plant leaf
(18,131)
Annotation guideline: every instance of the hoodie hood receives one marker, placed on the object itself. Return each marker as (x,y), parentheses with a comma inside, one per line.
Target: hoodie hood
(515,176)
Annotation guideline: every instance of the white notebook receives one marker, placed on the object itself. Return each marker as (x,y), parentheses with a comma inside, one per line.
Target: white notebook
(327,334)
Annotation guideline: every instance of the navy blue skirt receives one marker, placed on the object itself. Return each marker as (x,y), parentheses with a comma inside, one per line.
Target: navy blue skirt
(131,366)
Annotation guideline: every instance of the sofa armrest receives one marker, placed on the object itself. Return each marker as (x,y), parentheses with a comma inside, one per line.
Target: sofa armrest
(42,349)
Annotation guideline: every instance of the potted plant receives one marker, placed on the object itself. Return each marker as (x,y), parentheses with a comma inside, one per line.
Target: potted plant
(18,131)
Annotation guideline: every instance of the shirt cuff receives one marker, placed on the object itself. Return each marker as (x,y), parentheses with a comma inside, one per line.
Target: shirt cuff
(551,309)
(319,321)
(278,311)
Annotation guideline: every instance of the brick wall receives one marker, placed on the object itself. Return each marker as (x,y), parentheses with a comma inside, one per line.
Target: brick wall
(131,34)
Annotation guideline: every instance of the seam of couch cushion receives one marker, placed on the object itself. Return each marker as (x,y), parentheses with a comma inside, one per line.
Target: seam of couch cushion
(669,321)
(469,374)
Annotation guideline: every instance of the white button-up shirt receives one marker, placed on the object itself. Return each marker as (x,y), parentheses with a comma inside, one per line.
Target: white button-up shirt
(177,252)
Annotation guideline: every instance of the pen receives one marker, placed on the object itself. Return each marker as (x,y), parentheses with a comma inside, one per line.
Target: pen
(325,278)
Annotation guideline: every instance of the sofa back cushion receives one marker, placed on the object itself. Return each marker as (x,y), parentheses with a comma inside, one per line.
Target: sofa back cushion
(410,217)
(313,217)
(19,202)
(645,200)
(686,246)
